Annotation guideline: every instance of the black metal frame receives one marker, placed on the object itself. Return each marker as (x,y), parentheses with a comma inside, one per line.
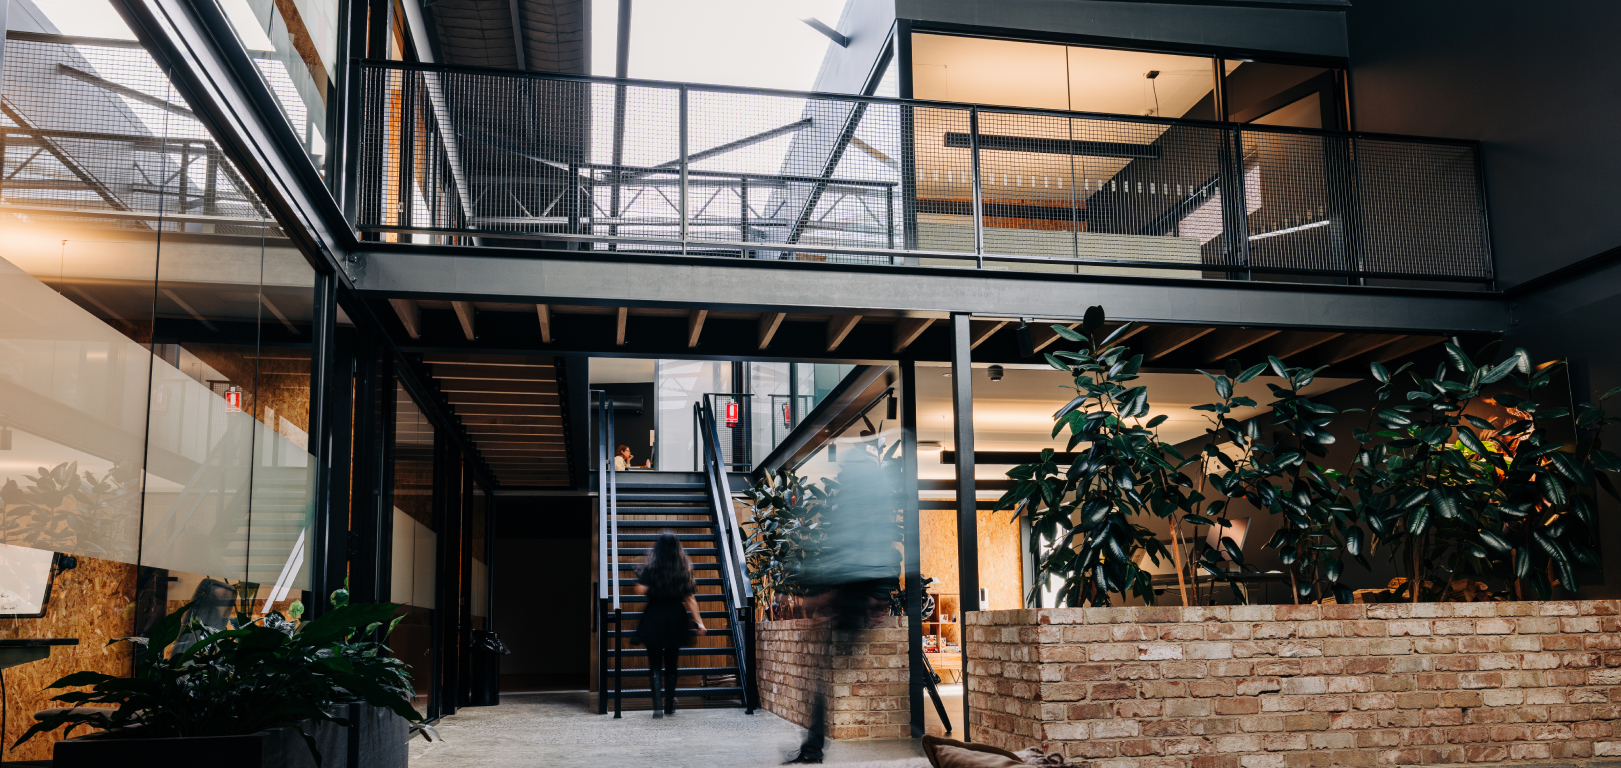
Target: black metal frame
(735,585)
(1231,179)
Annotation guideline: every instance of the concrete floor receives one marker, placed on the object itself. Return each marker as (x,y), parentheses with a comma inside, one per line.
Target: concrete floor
(562,730)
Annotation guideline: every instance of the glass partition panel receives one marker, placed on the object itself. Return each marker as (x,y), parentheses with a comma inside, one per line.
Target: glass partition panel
(1139,83)
(1282,94)
(415,541)
(294,47)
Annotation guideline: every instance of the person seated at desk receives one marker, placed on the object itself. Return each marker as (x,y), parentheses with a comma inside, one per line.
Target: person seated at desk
(622,459)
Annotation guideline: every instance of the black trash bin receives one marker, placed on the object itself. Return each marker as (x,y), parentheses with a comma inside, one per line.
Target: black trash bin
(487,652)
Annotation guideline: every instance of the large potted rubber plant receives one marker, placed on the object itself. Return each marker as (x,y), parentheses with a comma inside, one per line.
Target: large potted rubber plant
(271,692)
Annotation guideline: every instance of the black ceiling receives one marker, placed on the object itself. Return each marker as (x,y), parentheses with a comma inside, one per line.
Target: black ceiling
(478,33)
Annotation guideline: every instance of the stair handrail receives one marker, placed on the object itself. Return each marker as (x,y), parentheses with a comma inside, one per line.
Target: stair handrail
(731,543)
(607,503)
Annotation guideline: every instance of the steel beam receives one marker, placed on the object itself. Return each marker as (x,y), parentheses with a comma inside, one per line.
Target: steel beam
(962,429)
(758,285)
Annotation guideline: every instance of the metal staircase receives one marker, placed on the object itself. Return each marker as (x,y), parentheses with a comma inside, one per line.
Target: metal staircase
(631,516)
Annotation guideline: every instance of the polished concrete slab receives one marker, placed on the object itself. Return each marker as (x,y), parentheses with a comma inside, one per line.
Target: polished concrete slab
(562,730)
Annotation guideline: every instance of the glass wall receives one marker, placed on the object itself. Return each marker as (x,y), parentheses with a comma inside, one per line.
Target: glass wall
(155,361)
(294,46)
(414,548)
(1011,73)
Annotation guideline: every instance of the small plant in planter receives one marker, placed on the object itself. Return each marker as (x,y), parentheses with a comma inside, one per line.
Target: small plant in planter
(260,674)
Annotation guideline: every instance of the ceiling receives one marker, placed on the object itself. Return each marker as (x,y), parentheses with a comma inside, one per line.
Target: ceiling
(511,412)
(1016,413)
(479,33)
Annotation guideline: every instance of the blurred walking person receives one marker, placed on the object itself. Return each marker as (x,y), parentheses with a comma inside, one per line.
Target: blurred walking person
(850,578)
(666,579)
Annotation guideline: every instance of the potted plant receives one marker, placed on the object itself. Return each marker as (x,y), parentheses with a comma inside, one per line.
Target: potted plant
(249,693)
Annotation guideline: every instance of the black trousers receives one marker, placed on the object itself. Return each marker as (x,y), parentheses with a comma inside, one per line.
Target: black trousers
(666,660)
(847,614)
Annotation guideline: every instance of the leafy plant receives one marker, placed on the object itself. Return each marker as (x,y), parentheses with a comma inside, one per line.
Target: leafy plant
(1086,509)
(258,674)
(785,532)
(65,510)
(1465,497)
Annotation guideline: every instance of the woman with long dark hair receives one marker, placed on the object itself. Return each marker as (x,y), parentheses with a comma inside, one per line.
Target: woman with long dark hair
(666,579)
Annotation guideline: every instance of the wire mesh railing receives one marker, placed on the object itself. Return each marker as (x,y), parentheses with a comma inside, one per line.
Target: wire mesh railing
(512,158)
(93,130)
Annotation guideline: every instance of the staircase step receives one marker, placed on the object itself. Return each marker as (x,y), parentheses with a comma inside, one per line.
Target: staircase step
(700,582)
(673,509)
(657,536)
(666,524)
(624,566)
(691,551)
(636,615)
(624,497)
(701,598)
(723,650)
(642,693)
(623,486)
(683,671)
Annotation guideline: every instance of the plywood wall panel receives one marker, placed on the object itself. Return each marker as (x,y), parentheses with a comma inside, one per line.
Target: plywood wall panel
(1001,566)
(93,602)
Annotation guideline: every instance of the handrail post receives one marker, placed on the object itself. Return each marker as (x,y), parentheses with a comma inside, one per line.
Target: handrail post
(685,163)
(619,661)
(612,491)
(979,200)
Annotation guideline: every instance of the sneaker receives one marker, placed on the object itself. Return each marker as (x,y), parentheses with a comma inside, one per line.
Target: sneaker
(804,758)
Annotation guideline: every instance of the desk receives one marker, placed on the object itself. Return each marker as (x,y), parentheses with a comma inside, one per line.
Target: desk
(23,650)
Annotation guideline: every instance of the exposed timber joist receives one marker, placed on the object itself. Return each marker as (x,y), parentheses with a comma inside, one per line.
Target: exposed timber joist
(1290,343)
(464,314)
(1403,347)
(769,323)
(410,316)
(1226,342)
(1349,346)
(908,329)
(982,330)
(695,326)
(838,327)
(619,326)
(1160,342)
(545,314)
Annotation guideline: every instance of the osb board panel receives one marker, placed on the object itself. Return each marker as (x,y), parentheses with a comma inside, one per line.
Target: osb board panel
(1000,563)
(93,602)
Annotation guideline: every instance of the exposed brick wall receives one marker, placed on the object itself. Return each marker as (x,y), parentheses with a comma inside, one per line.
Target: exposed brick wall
(868,680)
(1297,686)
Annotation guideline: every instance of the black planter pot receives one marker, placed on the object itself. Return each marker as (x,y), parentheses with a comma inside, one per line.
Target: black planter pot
(378,740)
(274,748)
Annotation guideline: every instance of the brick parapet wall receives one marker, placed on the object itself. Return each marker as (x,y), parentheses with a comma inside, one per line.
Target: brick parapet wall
(868,678)
(1299,686)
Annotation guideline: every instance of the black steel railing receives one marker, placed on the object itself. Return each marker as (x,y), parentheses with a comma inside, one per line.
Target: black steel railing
(735,584)
(451,154)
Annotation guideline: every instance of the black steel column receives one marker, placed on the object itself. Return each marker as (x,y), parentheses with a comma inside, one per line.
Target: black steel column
(327,538)
(912,550)
(962,426)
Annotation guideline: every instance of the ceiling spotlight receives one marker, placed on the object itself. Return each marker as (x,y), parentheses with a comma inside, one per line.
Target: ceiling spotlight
(1027,346)
(996,372)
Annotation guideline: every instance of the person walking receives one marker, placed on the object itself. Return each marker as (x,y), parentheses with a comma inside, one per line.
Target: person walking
(851,574)
(666,579)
